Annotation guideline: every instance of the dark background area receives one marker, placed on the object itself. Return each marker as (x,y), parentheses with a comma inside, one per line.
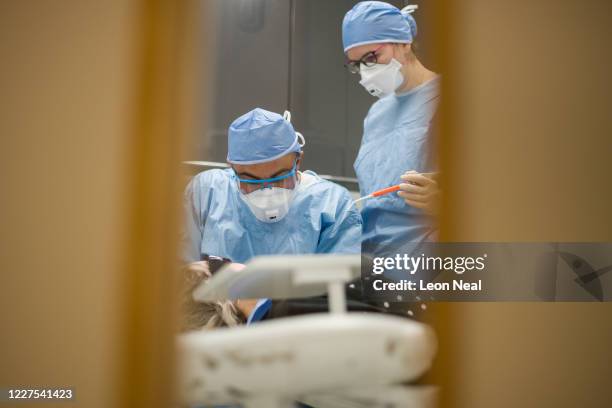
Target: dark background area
(287,55)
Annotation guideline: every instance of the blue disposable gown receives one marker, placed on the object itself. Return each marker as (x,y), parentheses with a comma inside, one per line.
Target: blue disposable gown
(220,223)
(396,139)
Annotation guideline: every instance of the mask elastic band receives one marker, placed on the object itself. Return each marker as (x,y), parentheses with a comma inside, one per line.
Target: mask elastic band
(300,138)
(410,9)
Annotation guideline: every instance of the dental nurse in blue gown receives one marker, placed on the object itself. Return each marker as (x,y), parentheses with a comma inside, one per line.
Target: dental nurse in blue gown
(397,146)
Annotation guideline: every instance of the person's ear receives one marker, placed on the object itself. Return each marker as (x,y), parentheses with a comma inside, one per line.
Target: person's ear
(409,52)
(298,161)
(401,52)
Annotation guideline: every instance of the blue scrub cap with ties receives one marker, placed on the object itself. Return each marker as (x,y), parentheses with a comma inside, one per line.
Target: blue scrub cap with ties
(261,136)
(370,22)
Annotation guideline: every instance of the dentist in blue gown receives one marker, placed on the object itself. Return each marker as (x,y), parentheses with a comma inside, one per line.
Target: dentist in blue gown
(397,145)
(264,204)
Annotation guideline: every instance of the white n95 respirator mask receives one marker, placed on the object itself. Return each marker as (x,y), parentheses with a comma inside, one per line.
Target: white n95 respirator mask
(269,204)
(381,79)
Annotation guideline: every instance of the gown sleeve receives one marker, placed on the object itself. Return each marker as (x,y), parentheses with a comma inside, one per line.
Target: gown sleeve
(194,219)
(341,233)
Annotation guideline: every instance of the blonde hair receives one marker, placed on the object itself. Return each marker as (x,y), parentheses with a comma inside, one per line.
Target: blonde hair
(206,315)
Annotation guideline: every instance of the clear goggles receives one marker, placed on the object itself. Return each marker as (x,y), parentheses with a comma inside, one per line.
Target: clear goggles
(287,180)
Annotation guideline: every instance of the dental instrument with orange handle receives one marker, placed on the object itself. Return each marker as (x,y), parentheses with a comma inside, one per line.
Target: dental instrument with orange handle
(378,193)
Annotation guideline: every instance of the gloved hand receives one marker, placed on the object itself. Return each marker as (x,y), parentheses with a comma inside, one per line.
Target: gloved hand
(195,272)
(421,190)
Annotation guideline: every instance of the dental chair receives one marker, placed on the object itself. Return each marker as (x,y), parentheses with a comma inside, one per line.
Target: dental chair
(335,359)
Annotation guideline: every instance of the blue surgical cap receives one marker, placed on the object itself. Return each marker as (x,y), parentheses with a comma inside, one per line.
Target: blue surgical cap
(372,22)
(260,136)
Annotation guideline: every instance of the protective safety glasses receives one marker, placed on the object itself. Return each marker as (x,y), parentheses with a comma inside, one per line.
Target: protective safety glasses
(369,60)
(287,180)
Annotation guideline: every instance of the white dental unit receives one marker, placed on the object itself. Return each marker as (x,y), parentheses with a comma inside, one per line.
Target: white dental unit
(335,359)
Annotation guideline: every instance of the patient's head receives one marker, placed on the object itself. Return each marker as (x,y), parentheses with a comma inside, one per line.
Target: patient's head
(208,315)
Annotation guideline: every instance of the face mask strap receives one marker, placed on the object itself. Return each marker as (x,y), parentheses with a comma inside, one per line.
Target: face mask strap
(287,116)
(411,8)
(301,140)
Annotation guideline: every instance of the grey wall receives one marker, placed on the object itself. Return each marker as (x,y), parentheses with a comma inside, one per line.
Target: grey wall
(287,55)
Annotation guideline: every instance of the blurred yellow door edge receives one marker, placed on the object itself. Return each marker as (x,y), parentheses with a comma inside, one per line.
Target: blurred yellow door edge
(98,99)
(525,147)
(166,113)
